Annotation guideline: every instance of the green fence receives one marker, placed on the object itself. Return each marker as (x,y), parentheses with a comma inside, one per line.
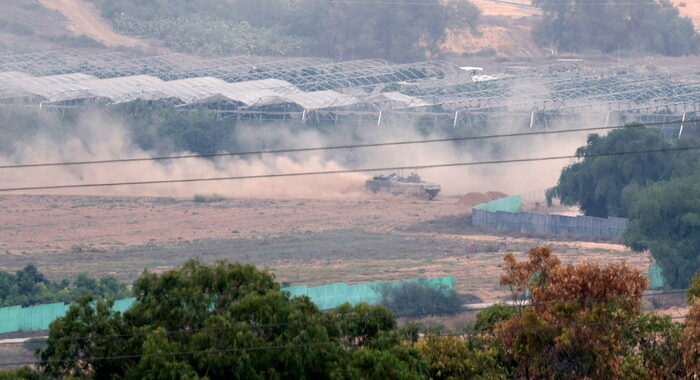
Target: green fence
(508,204)
(330,296)
(656,277)
(34,318)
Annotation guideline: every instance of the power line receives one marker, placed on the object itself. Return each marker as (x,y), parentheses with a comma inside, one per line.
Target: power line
(344,320)
(306,345)
(504,2)
(339,147)
(345,171)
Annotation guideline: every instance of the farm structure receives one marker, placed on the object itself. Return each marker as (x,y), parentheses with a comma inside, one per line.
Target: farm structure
(312,89)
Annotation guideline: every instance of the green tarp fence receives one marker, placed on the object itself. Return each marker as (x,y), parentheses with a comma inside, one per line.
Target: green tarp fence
(508,204)
(35,318)
(330,296)
(656,277)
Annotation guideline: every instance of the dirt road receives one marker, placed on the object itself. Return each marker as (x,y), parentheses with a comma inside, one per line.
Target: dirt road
(83,18)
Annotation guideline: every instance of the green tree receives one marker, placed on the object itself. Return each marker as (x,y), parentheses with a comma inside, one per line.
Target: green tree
(602,185)
(694,288)
(653,348)
(28,286)
(396,29)
(419,297)
(647,25)
(665,219)
(487,319)
(79,342)
(452,358)
(399,30)
(233,322)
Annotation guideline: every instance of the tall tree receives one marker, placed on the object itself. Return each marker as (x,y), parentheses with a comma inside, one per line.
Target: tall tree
(225,321)
(649,25)
(399,30)
(602,184)
(578,316)
(665,220)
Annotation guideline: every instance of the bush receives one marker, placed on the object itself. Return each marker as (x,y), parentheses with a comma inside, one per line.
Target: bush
(419,297)
(694,288)
(200,198)
(487,319)
(454,358)
(28,286)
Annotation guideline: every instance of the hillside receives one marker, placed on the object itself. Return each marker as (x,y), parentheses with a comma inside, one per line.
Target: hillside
(41,25)
(82,18)
(499,8)
(35,25)
(505,31)
(689,8)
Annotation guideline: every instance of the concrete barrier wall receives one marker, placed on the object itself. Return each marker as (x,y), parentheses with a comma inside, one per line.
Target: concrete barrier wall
(549,224)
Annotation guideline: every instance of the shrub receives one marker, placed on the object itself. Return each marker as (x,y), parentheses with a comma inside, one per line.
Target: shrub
(694,288)
(487,319)
(21,29)
(419,297)
(200,198)
(455,358)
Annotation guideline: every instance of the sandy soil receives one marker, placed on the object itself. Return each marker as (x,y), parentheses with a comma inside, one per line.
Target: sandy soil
(309,242)
(30,224)
(83,18)
(511,40)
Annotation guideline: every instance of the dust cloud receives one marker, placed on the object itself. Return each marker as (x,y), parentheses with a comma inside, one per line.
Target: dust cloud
(97,139)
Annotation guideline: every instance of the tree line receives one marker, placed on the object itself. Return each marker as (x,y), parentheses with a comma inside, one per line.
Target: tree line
(613,25)
(28,286)
(232,321)
(398,30)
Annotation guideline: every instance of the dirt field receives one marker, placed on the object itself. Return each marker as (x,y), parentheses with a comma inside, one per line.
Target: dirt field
(302,241)
(33,224)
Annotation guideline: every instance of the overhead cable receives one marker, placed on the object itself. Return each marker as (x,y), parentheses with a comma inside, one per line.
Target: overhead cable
(346,171)
(339,147)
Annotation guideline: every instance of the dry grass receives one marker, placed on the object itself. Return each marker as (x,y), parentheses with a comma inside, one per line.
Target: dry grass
(303,242)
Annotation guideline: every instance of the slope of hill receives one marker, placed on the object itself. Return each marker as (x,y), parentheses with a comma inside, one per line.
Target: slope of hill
(689,8)
(505,30)
(41,25)
(26,25)
(83,18)
(506,8)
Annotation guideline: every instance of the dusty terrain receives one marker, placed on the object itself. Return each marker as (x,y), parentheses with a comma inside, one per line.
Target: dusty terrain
(33,224)
(302,241)
(83,18)
(689,8)
(496,8)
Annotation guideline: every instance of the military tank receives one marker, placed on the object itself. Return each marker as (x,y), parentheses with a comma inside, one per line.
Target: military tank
(396,184)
